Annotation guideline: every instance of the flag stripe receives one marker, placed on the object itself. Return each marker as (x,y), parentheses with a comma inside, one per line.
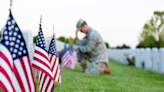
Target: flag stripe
(21,73)
(48,85)
(41,57)
(3,72)
(6,60)
(43,82)
(24,70)
(45,70)
(18,78)
(30,73)
(41,62)
(43,52)
(3,87)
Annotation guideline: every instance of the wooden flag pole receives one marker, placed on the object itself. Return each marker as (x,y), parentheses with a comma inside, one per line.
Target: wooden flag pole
(53,31)
(40,19)
(10,4)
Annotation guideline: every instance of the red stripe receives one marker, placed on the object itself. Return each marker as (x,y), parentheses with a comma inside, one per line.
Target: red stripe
(43,83)
(52,88)
(2,86)
(31,73)
(18,78)
(59,77)
(40,61)
(5,59)
(54,64)
(40,53)
(25,72)
(7,76)
(56,73)
(48,85)
(51,58)
(40,77)
(41,69)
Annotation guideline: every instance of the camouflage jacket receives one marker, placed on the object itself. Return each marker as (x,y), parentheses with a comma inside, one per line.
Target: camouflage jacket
(93,44)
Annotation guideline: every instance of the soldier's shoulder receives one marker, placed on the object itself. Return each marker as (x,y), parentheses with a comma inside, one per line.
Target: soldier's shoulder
(94,34)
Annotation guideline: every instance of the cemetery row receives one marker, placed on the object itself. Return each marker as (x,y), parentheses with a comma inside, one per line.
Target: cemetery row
(27,34)
(149,59)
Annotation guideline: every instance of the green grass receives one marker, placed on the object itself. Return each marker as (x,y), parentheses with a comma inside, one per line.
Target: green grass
(123,79)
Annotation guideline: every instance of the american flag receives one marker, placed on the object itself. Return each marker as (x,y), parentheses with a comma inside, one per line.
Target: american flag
(73,60)
(15,68)
(45,83)
(40,59)
(66,58)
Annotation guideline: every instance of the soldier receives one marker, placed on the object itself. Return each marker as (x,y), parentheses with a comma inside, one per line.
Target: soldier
(91,48)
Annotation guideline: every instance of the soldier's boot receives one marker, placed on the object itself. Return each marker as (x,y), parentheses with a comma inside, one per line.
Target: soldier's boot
(106,69)
(84,67)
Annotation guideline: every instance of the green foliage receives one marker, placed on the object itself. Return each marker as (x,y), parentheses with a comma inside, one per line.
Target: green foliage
(67,40)
(34,39)
(153,32)
(124,46)
(107,45)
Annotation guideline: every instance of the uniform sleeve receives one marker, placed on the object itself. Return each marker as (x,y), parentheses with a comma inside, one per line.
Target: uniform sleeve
(90,45)
(77,41)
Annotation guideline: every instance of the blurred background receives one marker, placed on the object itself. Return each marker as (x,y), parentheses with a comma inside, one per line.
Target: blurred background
(121,23)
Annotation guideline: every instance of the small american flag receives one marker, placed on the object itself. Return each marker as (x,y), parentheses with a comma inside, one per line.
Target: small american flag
(48,84)
(15,68)
(40,60)
(66,58)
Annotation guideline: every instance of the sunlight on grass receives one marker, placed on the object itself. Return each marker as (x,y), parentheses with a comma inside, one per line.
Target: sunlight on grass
(123,78)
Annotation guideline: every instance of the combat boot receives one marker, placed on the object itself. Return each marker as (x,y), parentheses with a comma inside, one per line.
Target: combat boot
(84,67)
(106,69)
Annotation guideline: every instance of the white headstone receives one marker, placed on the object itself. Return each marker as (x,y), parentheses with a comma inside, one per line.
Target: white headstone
(142,57)
(27,34)
(161,60)
(155,58)
(137,58)
(147,64)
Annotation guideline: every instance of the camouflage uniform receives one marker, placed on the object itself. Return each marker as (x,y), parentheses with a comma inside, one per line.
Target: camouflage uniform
(94,50)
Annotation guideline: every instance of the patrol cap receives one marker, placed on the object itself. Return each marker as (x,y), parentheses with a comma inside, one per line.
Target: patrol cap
(79,23)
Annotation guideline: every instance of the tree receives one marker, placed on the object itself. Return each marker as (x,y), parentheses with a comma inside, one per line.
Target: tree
(107,45)
(34,39)
(153,32)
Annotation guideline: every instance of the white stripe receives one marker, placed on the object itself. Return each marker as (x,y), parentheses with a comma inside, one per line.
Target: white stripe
(60,79)
(65,62)
(50,86)
(43,67)
(41,81)
(39,74)
(21,74)
(6,52)
(6,83)
(45,84)
(52,60)
(41,58)
(16,84)
(28,69)
(5,66)
(55,67)
(41,50)
(57,76)
(49,56)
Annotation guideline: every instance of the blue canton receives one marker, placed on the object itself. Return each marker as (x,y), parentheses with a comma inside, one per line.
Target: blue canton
(40,41)
(52,48)
(13,39)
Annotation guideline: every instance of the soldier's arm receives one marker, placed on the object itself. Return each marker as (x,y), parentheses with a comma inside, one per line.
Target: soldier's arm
(77,41)
(90,45)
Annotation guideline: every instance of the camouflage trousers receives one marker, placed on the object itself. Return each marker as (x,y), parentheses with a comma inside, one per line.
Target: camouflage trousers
(94,68)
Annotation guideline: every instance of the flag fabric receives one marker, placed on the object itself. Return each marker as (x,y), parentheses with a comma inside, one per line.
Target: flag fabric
(40,59)
(15,68)
(74,54)
(45,83)
(66,58)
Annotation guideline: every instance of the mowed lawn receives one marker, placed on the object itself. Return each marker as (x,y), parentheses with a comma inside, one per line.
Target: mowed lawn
(123,79)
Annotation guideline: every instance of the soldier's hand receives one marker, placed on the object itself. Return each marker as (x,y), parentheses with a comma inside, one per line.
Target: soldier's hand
(77,31)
